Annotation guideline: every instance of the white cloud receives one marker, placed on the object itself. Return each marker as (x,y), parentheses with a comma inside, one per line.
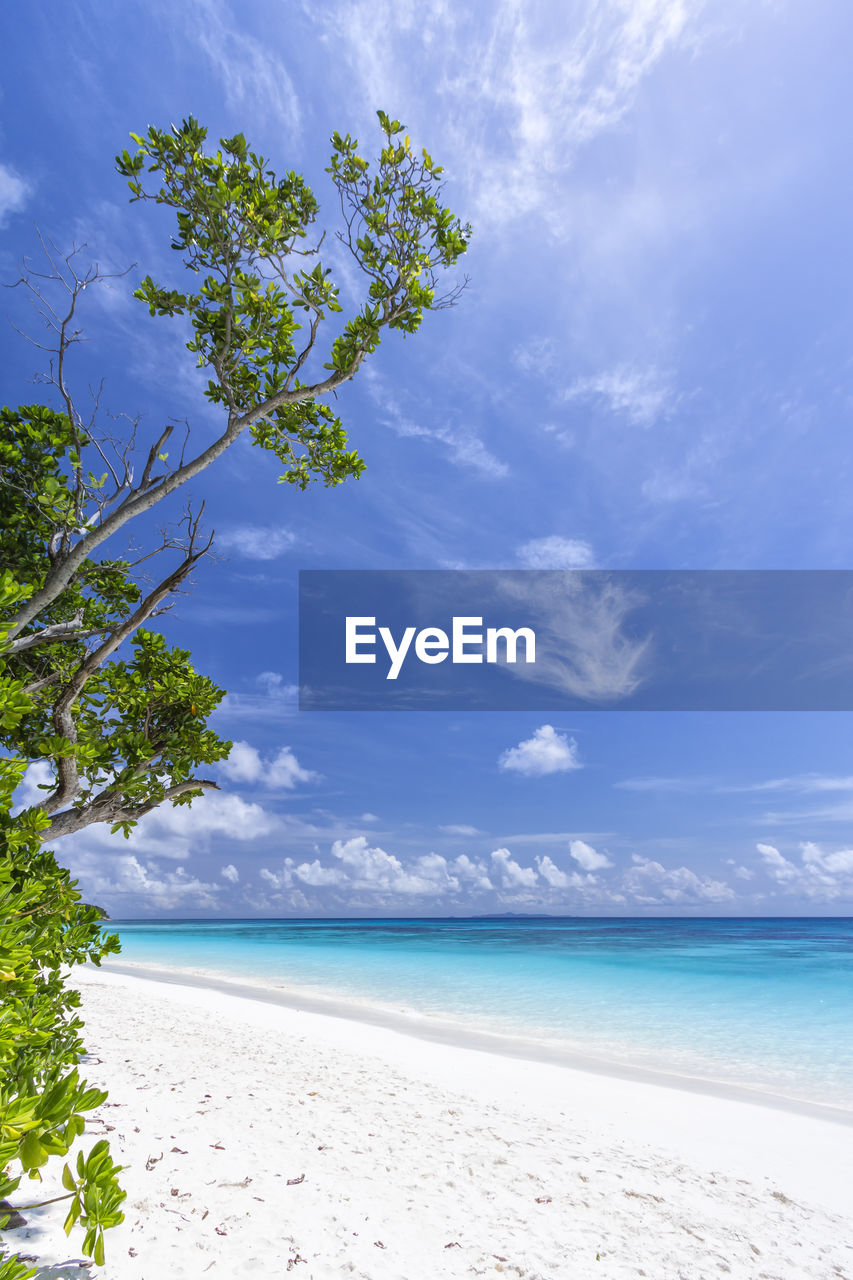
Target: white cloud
(741,873)
(556,552)
(14,193)
(361,867)
(178,832)
(243,763)
(369,817)
(28,792)
(284,770)
(838,863)
(473,872)
(778,867)
(315,874)
(459,829)
(587,857)
(281,771)
(643,396)
(256,542)
(551,873)
(822,875)
(230,873)
(121,881)
(652,884)
(373,868)
(512,874)
(546,752)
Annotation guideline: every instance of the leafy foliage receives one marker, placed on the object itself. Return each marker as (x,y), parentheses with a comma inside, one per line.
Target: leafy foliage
(44,929)
(118,717)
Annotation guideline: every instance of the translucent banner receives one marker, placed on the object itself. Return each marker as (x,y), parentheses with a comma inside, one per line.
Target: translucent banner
(530,640)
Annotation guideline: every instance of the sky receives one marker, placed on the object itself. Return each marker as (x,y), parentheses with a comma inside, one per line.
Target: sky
(650,368)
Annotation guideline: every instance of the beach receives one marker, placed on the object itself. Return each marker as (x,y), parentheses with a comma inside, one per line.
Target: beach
(262,1139)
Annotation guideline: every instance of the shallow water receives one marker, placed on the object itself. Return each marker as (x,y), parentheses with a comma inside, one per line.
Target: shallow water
(763,1003)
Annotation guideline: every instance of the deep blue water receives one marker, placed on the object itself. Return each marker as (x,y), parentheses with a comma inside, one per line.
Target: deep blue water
(762,1003)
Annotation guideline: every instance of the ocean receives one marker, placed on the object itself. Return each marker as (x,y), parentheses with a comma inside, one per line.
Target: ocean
(764,1004)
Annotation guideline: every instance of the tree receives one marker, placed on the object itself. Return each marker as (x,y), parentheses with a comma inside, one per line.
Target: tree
(123,734)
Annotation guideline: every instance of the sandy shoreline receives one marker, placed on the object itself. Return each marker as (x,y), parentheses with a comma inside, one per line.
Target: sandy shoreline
(263,1140)
(461,1035)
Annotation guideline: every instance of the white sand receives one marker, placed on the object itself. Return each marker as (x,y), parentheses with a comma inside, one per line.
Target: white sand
(419,1160)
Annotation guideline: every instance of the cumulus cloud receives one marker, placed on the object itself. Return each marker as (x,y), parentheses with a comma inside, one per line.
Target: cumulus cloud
(256,542)
(315,874)
(230,873)
(281,771)
(510,873)
(652,884)
(551,873)
(116,881)
(556,552)
(361,867)
(177,833)
(587,857)
(373,868)
(473,872)
(778,867)
(838,863)
(548,751)
(821,875)
(243,763)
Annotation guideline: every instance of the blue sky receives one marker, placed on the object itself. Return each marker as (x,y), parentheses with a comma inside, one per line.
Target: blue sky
(650,368)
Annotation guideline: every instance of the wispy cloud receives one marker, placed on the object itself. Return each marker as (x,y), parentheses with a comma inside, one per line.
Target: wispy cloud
(798,784)
(249,70)
(655,784)
(528,91)
(463,445)
(642,395)
(272,698)
(256,542)
(14,193)
(556,552)
(583,648)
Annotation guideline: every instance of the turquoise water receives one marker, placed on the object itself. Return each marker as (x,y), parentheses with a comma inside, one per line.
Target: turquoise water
(767,1004)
